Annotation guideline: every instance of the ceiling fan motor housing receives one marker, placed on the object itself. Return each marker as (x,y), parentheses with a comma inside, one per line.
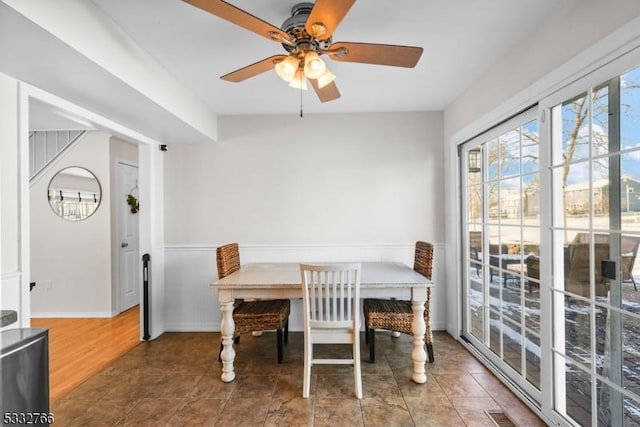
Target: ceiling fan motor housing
(295,27)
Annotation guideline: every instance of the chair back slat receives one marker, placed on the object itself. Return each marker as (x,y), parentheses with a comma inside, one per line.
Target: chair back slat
(228,259)
(423,261)
(331,294)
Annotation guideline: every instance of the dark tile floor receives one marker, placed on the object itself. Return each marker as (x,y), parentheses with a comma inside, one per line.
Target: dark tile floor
(175,381)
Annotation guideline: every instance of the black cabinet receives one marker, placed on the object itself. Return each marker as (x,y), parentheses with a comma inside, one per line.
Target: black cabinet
(24,369)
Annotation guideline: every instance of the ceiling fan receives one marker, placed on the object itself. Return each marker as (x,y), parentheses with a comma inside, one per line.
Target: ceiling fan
(306,35)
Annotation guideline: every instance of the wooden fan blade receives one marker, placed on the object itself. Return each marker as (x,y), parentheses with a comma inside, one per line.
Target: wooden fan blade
(328,13)
(253,69)
(379,54)
(327,93)
(241,18)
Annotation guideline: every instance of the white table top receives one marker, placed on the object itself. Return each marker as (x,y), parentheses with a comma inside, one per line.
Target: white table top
(285,275)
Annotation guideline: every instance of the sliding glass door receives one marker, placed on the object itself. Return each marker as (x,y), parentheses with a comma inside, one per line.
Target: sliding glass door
(550,212)
(502,232)
(595,168)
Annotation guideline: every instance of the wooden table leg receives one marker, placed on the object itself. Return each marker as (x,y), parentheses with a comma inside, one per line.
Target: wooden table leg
(418,328)
(226,331)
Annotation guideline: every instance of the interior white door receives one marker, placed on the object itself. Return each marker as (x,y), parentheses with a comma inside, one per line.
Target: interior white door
(127,229)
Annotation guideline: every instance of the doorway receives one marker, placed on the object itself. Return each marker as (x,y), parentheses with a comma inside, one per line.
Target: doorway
(79,262)
(71,256)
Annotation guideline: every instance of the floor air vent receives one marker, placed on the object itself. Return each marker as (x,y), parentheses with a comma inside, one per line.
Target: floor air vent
(500,419)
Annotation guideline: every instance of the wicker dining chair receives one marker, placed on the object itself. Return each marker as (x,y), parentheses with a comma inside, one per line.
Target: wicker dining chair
(397,315)
(250,316)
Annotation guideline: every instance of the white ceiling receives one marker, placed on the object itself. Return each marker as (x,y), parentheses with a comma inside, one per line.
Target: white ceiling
(462,39)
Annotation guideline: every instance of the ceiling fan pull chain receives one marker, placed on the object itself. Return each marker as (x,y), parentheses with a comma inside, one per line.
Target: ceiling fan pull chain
(301,100)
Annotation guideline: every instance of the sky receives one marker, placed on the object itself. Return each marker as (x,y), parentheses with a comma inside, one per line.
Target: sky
(598,128)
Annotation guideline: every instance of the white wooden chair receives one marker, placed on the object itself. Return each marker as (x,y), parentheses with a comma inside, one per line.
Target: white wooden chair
(331,310)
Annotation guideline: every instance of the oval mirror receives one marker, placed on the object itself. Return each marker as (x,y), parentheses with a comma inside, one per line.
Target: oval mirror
(74,193)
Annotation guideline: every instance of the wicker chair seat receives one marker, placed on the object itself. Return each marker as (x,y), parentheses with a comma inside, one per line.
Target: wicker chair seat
(392,315)
(260,315)
(396,315)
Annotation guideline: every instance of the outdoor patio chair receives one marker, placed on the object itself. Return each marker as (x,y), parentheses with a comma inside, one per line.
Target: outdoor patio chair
(532,262)
(578,277)
(475,249)
(496,261)
(629,251)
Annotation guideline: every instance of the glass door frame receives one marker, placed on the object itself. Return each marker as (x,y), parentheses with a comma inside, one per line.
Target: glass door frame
(602,69)
(599,77)
(517,121)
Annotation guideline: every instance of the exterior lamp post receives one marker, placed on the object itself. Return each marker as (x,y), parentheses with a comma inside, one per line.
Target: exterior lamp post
(475,160)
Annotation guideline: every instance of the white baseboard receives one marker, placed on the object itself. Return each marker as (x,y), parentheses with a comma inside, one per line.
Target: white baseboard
(192,327)
(438,326)
(76,315)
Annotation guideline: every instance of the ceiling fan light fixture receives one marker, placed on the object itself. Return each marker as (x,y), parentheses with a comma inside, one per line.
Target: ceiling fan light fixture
(325,78)
(287,68)
(313,65)
(299,81)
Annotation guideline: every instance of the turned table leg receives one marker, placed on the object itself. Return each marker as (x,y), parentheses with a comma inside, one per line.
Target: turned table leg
(227,327)
(418,329)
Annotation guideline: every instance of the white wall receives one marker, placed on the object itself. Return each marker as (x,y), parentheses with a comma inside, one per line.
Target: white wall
(71,261)
(572,28)
(578,36)
(152,234)
(348,186)
(10,274)
(364,178)
(9,213)
(114,50)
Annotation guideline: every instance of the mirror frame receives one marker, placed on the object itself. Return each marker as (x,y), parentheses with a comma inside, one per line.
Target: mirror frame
(52,196)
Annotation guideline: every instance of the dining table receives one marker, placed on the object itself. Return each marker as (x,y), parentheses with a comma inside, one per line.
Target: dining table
(282,280)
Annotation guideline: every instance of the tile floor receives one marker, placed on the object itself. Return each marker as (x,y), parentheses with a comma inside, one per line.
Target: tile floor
(175,381)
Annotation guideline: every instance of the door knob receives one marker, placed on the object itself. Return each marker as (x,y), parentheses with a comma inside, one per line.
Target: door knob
(124,244)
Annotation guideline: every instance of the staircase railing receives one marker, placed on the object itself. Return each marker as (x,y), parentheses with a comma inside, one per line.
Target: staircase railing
(45,146)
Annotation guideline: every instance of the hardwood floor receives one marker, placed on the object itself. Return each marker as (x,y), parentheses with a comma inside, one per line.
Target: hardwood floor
(81,347)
